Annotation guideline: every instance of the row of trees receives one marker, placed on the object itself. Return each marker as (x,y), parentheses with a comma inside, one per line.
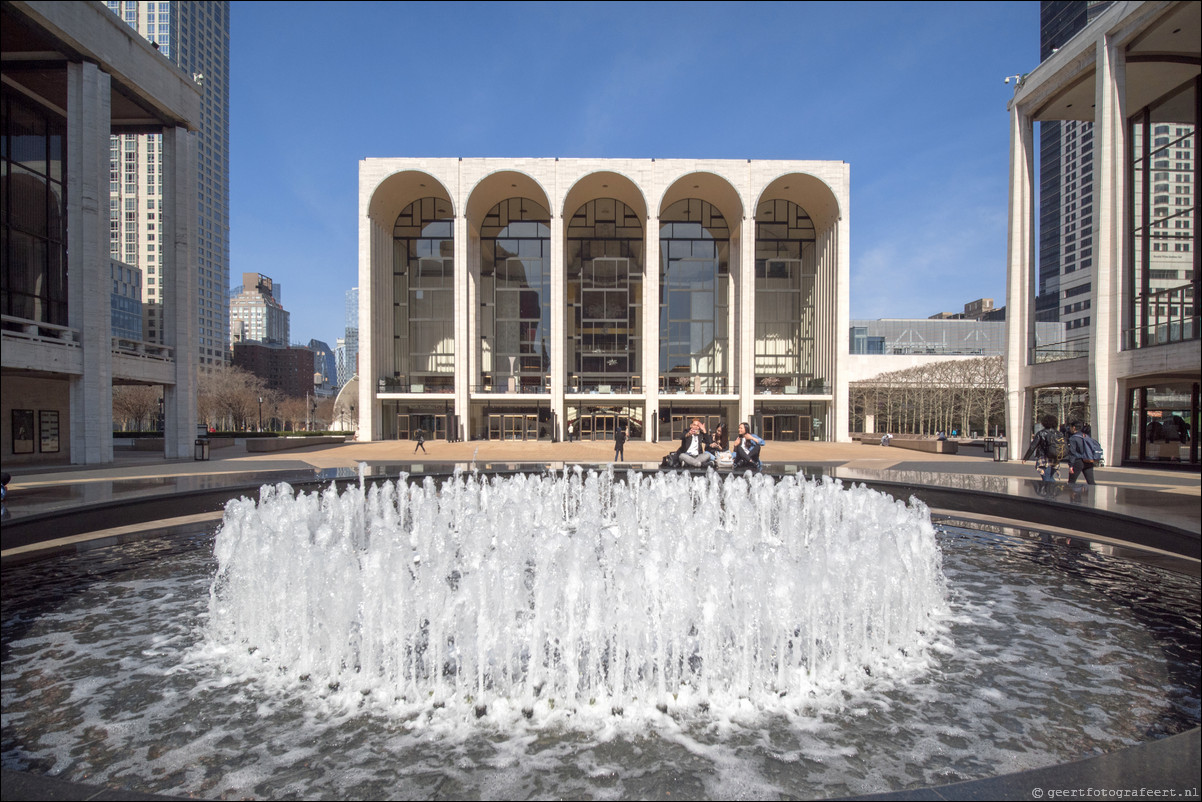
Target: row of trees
(227,399)
(962,395)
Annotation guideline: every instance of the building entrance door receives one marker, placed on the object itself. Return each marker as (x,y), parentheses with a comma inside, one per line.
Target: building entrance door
(433,426)
(512,427)
(604,426)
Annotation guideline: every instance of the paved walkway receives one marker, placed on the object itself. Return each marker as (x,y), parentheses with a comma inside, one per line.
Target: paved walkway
(236,459)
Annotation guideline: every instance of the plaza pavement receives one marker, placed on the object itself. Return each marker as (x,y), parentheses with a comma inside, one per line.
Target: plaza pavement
(130,464)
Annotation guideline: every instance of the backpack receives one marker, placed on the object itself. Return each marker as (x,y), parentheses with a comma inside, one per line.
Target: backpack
(1057,446)
(1093,448)
(670,460)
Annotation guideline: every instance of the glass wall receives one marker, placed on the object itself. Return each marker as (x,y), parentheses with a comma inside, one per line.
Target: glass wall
(515,297)
(1163,207)
(1164,424)
(694,302)
(785,272)
(423,297)
(604,285)
(34,217)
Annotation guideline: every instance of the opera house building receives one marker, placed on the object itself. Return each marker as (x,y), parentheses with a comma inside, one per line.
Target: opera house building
(515,298)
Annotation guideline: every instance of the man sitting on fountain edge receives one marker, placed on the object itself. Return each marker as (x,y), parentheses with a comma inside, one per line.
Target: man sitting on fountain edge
(694,446)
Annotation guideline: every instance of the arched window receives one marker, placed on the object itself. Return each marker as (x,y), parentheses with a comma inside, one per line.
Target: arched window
(515,292)
(694,297)
(785,272)
(604,284)
(423,295)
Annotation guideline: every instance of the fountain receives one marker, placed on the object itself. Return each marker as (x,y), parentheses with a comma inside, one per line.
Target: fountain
(584,635)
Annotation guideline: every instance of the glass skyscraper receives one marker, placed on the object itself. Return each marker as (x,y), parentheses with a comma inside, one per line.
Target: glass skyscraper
(195,36)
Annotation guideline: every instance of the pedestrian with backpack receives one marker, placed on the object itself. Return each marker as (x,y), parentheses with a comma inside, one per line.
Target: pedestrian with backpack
(1084,453)
(1049,447)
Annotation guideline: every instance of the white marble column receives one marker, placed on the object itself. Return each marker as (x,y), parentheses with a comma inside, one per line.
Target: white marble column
(466,306)
(1020,264)
(559,301)
(1109,153)
(651,332)
(88,283)
(745,320)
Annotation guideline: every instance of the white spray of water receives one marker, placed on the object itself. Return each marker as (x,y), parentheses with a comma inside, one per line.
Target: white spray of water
(579,591)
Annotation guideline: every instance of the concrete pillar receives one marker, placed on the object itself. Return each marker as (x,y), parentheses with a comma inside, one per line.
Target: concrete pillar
(1020,265)
(1109,152)
(180,324)
(88,283)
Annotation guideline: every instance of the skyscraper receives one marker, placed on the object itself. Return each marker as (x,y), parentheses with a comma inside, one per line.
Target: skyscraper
(195,36)
(350,340)
(257,312)
(1065,188)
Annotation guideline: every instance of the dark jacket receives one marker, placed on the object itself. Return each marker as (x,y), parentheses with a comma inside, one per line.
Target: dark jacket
(1040,444)
(747,453)
(703,439)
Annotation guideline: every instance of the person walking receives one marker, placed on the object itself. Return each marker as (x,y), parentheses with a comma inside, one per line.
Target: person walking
(1049,447)
(571,431)
(421,442)
(1083,454)
(620,444)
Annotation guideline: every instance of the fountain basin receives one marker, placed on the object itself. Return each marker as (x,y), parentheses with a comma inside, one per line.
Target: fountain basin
(680,716)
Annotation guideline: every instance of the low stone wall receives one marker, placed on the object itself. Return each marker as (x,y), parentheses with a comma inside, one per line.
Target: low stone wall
(263,445)
(930,445)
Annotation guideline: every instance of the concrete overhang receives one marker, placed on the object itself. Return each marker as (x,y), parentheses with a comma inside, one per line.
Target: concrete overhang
(149,93)
(1161,45)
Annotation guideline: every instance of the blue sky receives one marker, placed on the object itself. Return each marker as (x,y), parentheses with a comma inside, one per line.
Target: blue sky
(910,94)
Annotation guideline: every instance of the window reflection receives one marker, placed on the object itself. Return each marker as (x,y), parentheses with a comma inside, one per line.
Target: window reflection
(423,296)
(604,272)
(694,298)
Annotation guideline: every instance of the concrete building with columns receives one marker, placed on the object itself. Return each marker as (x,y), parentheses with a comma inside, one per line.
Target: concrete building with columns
(513,298)
(1133,72)
(73,76)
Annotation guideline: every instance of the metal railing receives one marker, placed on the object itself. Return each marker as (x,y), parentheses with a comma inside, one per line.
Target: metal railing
(1172,318)
(1074,348)
(389,384)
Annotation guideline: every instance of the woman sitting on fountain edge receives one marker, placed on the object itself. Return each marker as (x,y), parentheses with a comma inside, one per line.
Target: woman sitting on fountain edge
(747,450)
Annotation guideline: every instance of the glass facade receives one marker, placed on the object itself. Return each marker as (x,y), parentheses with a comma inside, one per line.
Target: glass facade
(785,272)
(33,222)
(1163,425)
(423,295)
(604,283)
(694,298)
(1163,277)
(515,296)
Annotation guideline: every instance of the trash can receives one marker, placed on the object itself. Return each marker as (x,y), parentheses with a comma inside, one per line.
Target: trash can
(999,452)
(988,445)
(202,450)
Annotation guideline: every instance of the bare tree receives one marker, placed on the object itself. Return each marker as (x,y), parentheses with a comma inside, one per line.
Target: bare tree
(136,406)
(230,398)
(944,396)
